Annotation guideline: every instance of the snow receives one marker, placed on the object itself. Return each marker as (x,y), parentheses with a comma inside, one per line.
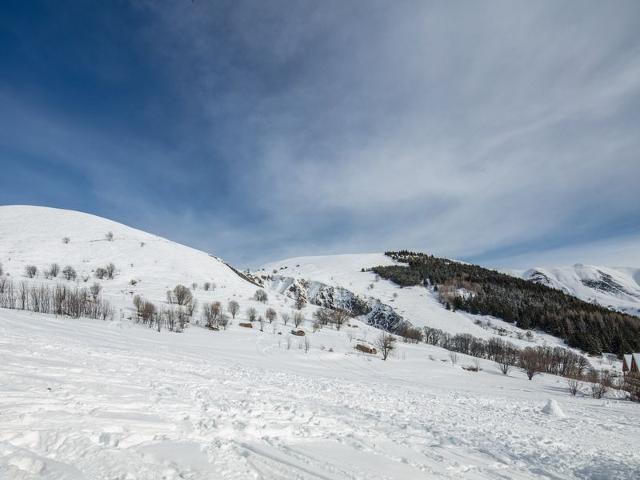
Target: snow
(86,399)
(89,399)
(589,283)
(553,408)
(418,305)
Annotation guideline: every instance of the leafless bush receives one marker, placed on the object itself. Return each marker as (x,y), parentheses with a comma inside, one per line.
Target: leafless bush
(206,286)
(30,271)
(252,314)
(69,273)
(54,269)
(573,383)
(57,300)
(181,294)
(261,296)
(101,273)
(109,236)
(270,314)
(65,240)
(600,382)
(233,308)
(194,286)
(386,343)
(531,362)
(453,356)
(211,313)
(110,270)
(95,290)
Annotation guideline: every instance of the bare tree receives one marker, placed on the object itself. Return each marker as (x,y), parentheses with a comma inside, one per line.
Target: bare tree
(30,271)
(600,382)
(386,343)
(261,296)
(206,286)
(340,317)
(65,240)
(54,269)
(101,273)
(298,318)
(573,383)
(506,358)
(270,314)
(531,362)
(453,356)
(233,308)
(110,269)
(182,295)
(252,314)
(69,272)
(95,290)
(285,317)
(109,236)
(261,321)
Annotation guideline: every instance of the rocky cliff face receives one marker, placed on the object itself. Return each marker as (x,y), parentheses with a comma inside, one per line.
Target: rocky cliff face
(375,312)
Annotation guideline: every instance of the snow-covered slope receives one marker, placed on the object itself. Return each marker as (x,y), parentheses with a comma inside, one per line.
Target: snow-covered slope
(614,287)
(417,305)
(91,400)
(145,264)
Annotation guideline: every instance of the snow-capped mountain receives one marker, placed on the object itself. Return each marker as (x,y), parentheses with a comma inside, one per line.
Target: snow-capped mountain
(614,287)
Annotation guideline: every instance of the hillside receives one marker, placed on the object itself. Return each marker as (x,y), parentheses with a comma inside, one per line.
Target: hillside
(85,398)
(612,287)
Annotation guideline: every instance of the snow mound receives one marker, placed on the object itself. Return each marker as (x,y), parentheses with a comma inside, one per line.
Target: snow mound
(553,409)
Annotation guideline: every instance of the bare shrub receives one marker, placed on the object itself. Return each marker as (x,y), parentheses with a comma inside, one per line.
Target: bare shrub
(30,271)
(108,236)
(100,273)
(233,308)
(95,290)
(298,318)
(54,270)
(453,356)
(69,273)
(270,314)
(110,270)
(600,382)
(206,286)
(194,286)
(261,296)
(530,361)
(573,383)
(211,314)
(252,314)
(182,295)
(65,240)
(386,343)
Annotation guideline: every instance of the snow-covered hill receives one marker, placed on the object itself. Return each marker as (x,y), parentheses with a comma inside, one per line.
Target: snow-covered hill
(614,287)
(91,399)
(417,305)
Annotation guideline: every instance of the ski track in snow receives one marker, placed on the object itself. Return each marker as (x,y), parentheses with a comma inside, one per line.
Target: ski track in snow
(92,400)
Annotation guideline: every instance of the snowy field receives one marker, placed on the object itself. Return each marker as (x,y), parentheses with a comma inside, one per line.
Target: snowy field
(85,399)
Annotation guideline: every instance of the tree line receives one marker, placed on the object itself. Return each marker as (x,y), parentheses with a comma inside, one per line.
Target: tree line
(477,290)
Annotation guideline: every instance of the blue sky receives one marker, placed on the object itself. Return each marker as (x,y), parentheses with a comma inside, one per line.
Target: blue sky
(506,133)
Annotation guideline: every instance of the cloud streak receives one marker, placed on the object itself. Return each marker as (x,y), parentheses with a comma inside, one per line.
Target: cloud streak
(480,131)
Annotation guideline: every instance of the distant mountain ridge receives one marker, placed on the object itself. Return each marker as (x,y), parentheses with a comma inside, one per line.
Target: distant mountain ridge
(617,288)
